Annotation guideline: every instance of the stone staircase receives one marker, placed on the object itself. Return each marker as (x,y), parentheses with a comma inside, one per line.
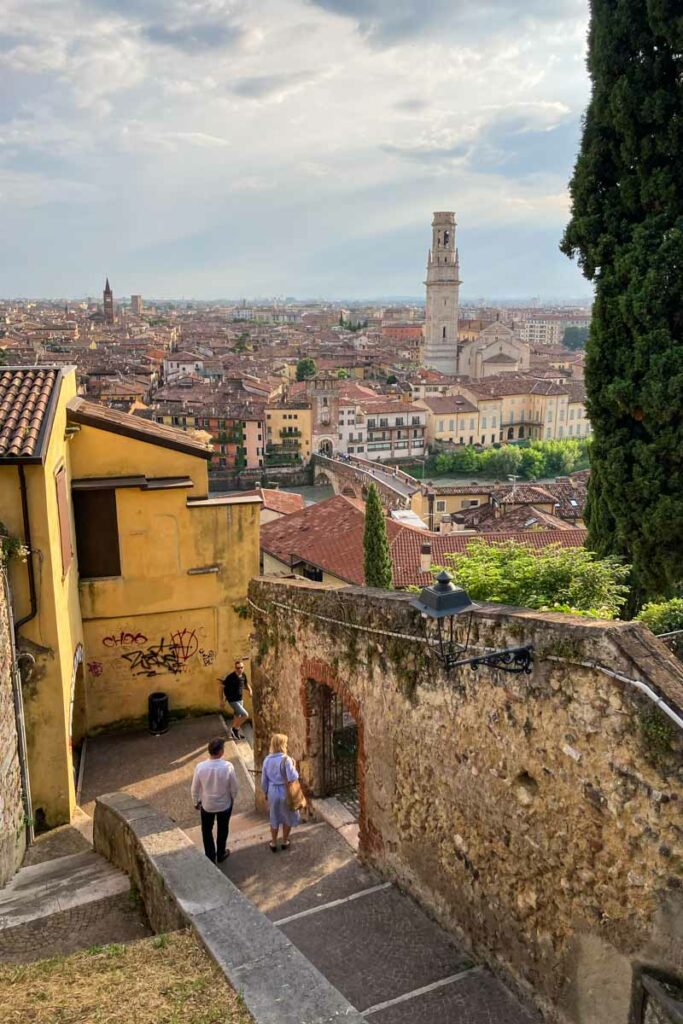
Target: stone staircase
(66,901)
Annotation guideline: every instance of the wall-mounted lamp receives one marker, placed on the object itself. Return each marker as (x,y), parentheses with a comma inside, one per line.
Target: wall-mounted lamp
(441,604)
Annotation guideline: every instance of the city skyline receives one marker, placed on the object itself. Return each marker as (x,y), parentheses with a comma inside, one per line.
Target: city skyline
(296,148)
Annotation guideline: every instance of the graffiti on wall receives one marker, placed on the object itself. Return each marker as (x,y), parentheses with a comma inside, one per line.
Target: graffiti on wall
(172,653)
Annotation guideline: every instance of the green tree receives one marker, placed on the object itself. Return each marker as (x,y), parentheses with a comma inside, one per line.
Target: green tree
(392,379)
(343,374)
(3,357)
(306,368)
(626,230)
(378,567)
(532,464)
(575,338)
(555,578)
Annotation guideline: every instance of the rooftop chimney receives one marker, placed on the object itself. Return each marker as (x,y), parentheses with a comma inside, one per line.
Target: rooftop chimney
(425,556)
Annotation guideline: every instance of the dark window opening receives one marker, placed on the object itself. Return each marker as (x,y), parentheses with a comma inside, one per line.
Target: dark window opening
(97,533)
(312,573)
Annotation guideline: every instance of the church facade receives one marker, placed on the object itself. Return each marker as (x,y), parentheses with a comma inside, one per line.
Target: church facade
(485,352)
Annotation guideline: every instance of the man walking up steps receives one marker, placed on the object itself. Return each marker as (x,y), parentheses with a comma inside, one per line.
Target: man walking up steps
(232,690)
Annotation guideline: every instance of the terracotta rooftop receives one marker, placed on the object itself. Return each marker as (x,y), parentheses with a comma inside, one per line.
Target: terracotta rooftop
(283,502)
(27,400)
(329,535)
(444,404)
(100,416)
(489,519)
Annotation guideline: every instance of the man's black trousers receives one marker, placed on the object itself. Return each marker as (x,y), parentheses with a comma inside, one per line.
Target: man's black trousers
(222,818)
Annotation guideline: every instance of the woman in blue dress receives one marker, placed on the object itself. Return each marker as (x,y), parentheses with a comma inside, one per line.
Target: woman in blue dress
(276,767)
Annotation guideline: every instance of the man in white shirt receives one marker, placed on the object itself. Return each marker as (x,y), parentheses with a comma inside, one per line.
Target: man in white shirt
(214,788)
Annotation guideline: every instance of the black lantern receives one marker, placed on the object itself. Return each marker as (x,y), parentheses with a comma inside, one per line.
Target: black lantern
(442,603)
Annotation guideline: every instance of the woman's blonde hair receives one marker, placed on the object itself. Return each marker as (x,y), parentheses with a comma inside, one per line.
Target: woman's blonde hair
(278,743)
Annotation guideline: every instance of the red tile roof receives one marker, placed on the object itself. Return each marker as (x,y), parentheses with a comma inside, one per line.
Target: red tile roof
(26,398)
(444,404)
(329,535)
(405,551)
(283,502)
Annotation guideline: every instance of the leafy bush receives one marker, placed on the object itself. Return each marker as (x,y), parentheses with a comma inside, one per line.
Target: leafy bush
(554,579)
(665,617)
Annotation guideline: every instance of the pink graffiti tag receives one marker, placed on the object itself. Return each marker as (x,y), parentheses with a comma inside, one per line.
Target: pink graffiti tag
(95,668)
(185,643)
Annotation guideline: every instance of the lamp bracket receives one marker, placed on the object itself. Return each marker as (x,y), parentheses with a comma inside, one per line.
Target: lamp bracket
(510,659)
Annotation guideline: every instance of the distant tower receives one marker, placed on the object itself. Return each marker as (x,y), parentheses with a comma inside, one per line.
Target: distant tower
(136,305)
(443,286)
(108,303)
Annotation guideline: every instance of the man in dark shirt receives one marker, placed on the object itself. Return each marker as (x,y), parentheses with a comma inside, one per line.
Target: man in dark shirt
(232,691)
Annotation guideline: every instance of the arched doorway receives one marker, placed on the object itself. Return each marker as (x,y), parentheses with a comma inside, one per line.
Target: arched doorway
(339,750)
(326,447)
(333,746)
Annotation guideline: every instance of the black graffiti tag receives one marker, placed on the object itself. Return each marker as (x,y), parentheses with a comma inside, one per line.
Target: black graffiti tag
(155,659)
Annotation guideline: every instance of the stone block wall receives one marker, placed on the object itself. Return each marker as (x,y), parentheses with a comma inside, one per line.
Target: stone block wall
(12,830)
(538,816)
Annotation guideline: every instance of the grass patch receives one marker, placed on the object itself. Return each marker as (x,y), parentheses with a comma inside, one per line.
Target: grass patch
(167,979)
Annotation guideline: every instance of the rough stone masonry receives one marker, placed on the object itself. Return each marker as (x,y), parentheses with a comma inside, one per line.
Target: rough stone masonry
(538,816)
(12,832)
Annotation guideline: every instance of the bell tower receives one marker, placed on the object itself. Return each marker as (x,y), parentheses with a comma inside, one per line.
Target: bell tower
(440,350)
(108,303)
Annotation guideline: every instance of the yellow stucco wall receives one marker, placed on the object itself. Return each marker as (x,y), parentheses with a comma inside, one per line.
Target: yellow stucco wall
(54,637)
(298,419)
(155,627)
(159,625)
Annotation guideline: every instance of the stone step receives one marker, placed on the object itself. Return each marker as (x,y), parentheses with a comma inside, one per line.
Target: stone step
(57,885)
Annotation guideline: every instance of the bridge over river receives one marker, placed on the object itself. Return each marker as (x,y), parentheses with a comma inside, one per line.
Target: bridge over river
(351,476)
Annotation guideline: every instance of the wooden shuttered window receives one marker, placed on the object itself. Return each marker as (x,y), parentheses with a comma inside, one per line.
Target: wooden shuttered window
(64,519)
(97,533)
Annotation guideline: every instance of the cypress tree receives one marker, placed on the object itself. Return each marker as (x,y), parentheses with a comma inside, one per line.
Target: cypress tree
(626,229)
(378,567)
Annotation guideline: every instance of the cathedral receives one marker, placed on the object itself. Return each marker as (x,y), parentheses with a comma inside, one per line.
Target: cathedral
(496,349)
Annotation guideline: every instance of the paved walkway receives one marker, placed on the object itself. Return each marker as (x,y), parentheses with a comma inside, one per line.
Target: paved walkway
(389,959)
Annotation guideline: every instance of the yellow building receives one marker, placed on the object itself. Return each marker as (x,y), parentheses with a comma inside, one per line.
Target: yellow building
(289,428)
(134,576)
(451,418)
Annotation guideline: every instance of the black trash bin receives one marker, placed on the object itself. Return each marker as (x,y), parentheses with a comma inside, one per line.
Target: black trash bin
(157,717)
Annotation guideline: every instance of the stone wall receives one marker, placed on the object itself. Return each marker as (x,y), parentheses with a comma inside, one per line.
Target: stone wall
(267,476)
(538,816)
(12,831)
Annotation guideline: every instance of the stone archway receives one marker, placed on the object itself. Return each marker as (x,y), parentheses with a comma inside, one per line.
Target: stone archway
(334,763)
(348,491)
(326,447)
(323,480)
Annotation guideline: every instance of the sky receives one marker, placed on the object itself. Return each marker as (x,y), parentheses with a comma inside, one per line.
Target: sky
(229,148)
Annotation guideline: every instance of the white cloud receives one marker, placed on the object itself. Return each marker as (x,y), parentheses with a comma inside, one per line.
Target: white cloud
(175,119)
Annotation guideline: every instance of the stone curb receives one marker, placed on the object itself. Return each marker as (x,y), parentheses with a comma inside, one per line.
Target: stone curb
(180,888)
